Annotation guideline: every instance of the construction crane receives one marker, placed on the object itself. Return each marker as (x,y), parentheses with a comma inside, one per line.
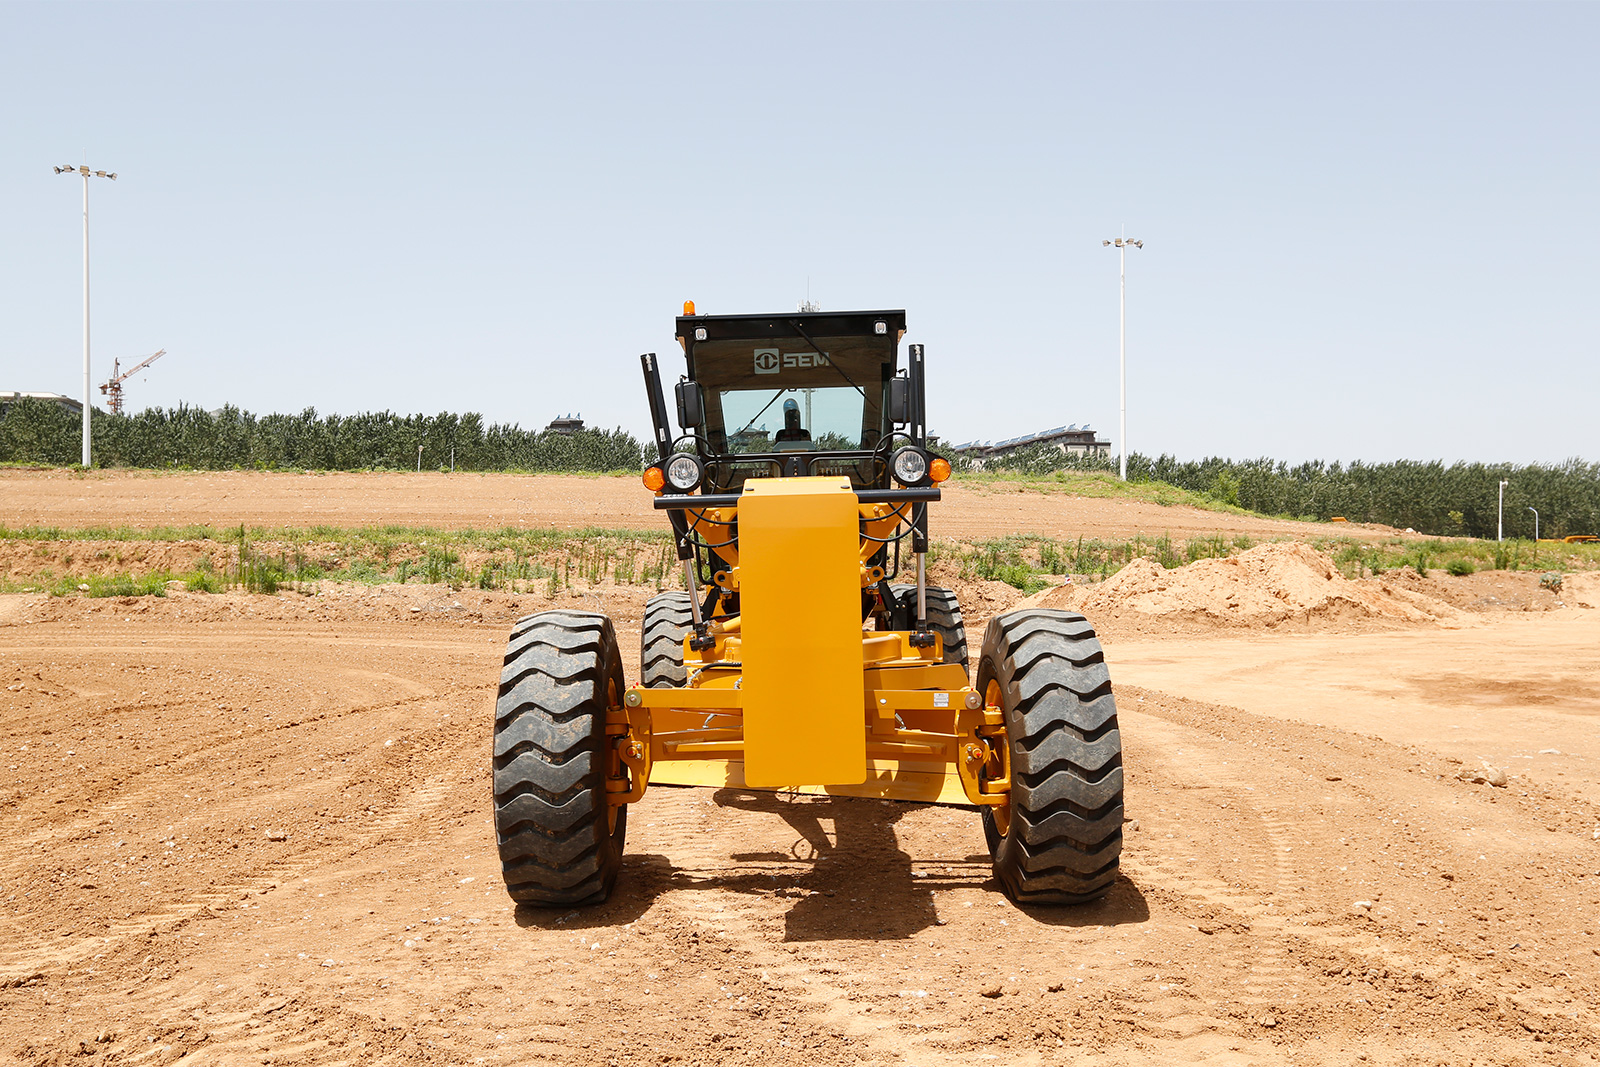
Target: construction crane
(113,388)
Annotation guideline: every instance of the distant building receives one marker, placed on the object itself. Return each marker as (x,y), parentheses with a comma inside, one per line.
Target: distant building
(750,441)
(7,399)
(565,424)
(1068,439)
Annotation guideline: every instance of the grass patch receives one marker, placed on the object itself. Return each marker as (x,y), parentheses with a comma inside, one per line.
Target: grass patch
(108,533)
(1458,556)
(1030,562)
(124,583)
(269,560)
(153,583)
(548,561)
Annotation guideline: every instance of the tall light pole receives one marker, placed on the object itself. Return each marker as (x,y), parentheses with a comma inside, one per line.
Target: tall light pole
(1535,524)
(1123,244)
(86,174)
(1500,515)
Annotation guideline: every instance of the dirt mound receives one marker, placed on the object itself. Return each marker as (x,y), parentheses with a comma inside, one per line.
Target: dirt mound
(1479,593)
(1583,590)
(981,599)
(23,560)
(1265,587)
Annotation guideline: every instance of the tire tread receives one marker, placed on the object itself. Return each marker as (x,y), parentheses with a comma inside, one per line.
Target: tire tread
(667,617)
(1065,838)
(550,804)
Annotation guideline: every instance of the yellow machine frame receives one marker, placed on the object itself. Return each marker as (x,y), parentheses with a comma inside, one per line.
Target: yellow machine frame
(796,657)
(914,730)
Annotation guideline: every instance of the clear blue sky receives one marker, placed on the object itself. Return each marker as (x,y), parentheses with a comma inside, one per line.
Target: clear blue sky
(1371,229)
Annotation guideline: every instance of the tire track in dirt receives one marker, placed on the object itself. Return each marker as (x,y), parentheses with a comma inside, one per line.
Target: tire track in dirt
(197,1027)
(722,943)
(1300,940)
(1262,972)
(742,905)
(25,957)
(374,797)
(302,1028)
(845,928)
(822,1000)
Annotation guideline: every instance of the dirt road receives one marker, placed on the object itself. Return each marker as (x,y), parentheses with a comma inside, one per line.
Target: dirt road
(454,501)
(247,829)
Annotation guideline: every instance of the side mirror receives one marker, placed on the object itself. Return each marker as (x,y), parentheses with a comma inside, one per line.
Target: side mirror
(691,406)
(899,400)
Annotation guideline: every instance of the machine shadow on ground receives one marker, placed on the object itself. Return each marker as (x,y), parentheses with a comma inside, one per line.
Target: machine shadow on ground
(856,885)
(1124,905)
(853,884)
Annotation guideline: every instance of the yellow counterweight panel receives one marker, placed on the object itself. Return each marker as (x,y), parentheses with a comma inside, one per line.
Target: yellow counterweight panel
(800,597)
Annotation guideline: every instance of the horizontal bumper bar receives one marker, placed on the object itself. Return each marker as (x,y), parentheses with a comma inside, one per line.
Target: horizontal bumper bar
(731,701)
(671,502)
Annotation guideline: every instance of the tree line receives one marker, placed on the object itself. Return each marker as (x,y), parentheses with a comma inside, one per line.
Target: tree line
(37,431)
(1459,499)
(1455,500)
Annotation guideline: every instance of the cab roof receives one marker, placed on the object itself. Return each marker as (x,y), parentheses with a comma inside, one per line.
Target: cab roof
(784,324)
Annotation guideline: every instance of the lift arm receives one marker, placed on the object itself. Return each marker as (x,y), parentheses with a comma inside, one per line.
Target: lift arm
(120,378)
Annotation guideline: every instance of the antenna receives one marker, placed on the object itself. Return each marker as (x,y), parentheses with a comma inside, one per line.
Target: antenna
(808,305)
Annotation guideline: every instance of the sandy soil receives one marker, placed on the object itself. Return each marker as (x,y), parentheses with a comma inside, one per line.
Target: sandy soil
(250,830)
(454,501)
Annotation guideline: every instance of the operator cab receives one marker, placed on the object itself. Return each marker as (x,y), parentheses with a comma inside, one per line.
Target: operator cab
(812,393)
(804,395)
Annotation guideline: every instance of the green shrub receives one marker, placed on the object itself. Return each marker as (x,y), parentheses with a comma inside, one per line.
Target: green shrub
(1349,560)
(204,580)
(1460,567)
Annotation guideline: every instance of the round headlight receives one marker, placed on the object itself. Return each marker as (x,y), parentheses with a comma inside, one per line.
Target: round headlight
(910,466)
(683,472)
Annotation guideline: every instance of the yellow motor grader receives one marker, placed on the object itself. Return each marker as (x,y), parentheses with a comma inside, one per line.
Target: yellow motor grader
(798,492)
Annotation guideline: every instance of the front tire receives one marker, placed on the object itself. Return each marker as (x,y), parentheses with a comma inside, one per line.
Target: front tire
(560,840)
(667,617)
(1059,840)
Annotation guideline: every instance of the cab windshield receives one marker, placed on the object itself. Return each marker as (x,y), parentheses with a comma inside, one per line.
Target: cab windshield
(790,395)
